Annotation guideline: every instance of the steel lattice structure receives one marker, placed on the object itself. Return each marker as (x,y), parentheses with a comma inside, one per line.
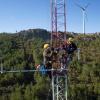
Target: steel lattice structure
(59,87)
(58,21)
(58,35)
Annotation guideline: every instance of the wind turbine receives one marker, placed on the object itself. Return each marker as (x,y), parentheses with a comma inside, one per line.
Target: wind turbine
(84,14)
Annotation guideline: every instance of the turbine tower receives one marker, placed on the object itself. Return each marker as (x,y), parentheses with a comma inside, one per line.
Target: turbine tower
(84,15)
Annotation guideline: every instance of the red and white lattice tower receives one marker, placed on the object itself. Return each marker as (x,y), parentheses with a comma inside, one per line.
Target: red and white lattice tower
(58,21)
(58,35)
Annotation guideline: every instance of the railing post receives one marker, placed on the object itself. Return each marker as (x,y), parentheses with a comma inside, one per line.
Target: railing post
(1,66)
(53,93)
(78,53)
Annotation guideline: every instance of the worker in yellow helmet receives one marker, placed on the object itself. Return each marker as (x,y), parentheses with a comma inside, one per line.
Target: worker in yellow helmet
(70,46)
(46,54)
(47,58)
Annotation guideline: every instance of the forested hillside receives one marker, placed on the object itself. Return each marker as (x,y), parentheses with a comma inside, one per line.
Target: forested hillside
(23,50)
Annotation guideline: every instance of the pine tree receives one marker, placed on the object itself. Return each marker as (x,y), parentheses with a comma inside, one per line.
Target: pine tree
(16,95)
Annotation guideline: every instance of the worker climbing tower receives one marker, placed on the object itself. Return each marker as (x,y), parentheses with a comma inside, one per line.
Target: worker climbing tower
(58,35)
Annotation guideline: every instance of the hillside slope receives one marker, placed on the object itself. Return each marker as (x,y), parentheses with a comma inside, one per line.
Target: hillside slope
(24,49)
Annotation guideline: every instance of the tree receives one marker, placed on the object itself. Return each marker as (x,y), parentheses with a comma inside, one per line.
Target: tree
(17,94)
(28,93)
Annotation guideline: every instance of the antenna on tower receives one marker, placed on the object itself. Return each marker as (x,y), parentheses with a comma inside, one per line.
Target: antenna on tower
(84,14)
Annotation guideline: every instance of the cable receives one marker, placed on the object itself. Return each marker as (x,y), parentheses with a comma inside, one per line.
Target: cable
(25,71)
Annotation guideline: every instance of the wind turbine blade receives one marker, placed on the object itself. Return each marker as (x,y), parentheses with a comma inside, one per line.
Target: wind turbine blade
(79,6)
(87,5)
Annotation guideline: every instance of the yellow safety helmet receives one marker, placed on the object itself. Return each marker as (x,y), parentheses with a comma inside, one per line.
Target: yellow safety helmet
(46,46)
(70,39)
